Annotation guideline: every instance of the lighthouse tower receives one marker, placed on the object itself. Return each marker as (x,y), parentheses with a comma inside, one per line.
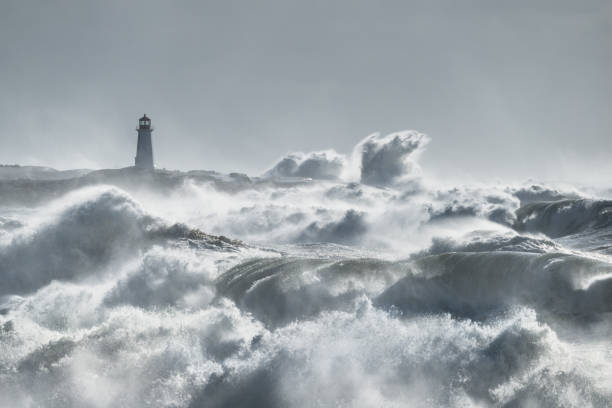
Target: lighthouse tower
(144,149)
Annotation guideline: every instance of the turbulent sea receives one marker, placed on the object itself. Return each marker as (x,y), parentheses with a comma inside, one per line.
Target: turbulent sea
(330,281)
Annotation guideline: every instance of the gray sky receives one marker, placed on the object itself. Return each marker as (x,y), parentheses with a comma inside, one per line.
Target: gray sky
(506,89)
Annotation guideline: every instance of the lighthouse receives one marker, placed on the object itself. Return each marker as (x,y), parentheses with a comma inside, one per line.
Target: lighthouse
(144,148)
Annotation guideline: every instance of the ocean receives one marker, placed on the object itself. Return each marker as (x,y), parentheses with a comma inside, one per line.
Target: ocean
(330,281)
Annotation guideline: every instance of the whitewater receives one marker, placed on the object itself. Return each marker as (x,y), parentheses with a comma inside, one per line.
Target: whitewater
(331,280)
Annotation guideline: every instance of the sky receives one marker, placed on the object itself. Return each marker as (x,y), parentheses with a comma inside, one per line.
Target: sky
(505,90)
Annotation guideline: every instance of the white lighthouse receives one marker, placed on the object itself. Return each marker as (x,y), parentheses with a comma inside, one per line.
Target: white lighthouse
(144,148)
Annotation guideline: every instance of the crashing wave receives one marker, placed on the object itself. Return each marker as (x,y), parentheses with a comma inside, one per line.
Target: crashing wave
(489,241)
(391,160)
(82,234)
(220,357)
(278,291)
(538,192)
(377,160)
(326,165)
(489,203)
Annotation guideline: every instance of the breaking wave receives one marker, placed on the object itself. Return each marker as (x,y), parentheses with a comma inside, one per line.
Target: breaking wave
(377,160)
(80,235)
(565,217)
(326,165)
(392,159)
(477,284)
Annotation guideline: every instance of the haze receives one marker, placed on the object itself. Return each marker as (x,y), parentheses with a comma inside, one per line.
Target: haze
(507,90)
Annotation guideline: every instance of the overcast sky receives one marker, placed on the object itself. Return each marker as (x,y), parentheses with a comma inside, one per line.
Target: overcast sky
(506,89)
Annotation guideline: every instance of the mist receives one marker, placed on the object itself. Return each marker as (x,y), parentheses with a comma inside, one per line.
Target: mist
(341,204)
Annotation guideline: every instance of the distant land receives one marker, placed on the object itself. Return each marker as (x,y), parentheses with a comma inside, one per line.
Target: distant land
(32,185)
(17,172)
